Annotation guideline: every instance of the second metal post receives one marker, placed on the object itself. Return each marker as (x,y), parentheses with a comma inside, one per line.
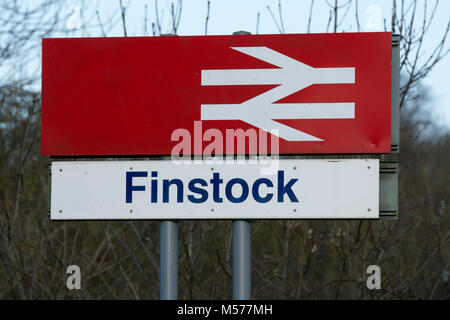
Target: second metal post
(168,255)
(241,260)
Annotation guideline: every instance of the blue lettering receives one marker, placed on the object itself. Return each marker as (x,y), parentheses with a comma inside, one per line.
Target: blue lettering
(167,183)
(255,190)
(216,181)
(129,184)
(229,187)
(154,187)
(197,190)
(282,188)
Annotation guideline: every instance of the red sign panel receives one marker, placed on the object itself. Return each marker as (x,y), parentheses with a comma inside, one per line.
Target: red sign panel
(318,93)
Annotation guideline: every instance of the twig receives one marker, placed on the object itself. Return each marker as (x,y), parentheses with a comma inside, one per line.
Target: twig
(347,6)
(207,17)
(329,20)
(176,16)
(357,16)
(335,14)
(281,16)
(393,15)
(158,24)
(145,21)
(257,23)
(122,10)
(308,29)
(274,19)
(100,24)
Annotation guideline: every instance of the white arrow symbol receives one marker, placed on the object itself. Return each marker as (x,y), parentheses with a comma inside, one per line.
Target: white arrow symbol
(291,76)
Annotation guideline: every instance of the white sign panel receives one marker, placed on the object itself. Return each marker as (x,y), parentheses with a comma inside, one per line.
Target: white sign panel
(296,189)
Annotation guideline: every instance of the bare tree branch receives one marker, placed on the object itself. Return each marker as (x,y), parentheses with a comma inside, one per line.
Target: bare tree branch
(257,23)
(100,24)
(122,12)
(207,17)
(308,29)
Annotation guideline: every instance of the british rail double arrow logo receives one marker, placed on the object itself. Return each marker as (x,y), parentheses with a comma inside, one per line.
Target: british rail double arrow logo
(291,76)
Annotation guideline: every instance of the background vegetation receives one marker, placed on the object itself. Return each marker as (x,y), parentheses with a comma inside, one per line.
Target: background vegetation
(290,259)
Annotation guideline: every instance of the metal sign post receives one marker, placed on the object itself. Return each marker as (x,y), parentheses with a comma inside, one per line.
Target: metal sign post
(168,253)
(168,258)
(242,253)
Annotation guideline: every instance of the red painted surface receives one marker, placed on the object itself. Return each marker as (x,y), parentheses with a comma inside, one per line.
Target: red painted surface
(125,96)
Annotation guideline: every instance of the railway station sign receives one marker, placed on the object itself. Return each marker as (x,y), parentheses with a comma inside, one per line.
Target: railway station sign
(317,93)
